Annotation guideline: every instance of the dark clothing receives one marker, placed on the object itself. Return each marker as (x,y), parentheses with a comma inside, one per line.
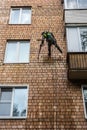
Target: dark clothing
(50,39)
(49,49)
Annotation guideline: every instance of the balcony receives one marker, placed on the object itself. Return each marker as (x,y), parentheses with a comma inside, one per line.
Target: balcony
(77,65)
(75,16)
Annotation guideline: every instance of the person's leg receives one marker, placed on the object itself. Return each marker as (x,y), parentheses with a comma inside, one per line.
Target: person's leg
(49,50)
(55,44)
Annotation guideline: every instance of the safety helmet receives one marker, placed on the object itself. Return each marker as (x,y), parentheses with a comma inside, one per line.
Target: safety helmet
(43,33)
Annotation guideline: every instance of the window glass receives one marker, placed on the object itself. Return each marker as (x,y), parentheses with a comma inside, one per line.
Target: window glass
(11,52)
(13,102)
(85,100)
(75,4)
(19,103)
(20,16)
(15,16)
(73,40)
(5,109)
(83,36)
(26,16)
(86,107)
(17,52)
(85,95)
(6,94)
(24,52)
(71,4)
(82,3)
(77,39)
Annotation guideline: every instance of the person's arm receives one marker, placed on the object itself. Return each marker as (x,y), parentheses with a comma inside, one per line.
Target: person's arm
(42,43)
(53,37)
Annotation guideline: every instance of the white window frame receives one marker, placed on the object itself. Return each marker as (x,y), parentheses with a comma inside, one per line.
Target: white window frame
(77,5)
(17,53)
(13,87)
(84,100)
(20,14)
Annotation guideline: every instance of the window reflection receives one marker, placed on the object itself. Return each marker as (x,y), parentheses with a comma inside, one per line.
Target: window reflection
(82,3)
(25,16)
(72,4)
(5,109)
(13,102)
(85,95)
(17,51)
(85,99)
(20,98)
(11,48)
(6,94)
(83,33)
(20,16)
(15,16)
(24,52)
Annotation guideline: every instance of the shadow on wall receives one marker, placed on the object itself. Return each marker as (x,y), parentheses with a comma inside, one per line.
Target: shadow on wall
(52,59)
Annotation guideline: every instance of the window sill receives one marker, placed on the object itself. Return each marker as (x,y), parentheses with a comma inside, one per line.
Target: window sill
(12,118)
(19,24)
(75,9)
(16,62)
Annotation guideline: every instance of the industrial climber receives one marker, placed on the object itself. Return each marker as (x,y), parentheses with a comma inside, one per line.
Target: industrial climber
(50,39)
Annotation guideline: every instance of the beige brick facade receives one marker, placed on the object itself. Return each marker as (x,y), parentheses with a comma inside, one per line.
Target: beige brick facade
(54,102)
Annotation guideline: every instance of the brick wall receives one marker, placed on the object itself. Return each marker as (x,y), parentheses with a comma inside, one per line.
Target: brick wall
(54,103)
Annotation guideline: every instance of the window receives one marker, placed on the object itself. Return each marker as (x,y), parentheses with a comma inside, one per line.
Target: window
(75,4)
(17,52)
(77,39)
(20,16)
(83,35)
(84,90)
(13,102)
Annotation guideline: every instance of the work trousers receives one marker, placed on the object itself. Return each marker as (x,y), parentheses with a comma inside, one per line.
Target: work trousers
(49,47)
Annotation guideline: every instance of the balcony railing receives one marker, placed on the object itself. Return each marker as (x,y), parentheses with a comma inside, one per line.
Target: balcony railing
(77,63)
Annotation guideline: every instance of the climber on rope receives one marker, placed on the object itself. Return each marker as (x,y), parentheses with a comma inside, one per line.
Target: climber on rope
(50,39)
